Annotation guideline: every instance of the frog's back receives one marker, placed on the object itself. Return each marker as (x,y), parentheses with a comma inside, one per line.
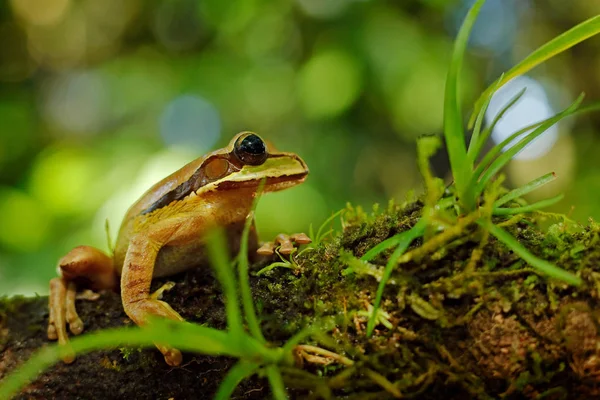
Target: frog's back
(160,189)
(147,201)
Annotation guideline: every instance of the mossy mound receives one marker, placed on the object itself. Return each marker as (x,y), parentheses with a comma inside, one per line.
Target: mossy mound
(465,319)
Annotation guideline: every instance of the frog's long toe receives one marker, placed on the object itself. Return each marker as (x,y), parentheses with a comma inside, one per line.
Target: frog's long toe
(75,323)
(57,327)
(173,356)
(286,244)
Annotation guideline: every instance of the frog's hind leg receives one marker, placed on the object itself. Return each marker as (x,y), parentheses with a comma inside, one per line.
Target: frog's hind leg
(88,266)
(138,303)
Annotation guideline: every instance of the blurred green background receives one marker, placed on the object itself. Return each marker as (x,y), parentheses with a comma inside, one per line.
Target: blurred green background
(100,99)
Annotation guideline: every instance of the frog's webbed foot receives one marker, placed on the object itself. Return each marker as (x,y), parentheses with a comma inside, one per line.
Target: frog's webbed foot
(81,262)
(285,243)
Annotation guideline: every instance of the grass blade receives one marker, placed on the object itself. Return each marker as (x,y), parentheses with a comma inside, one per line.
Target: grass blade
(320,233)
(453,124)
(505,157)
(182,335)
(474,144)
(404,240)
(244,282)
(497,149)
(276,264)
(218,254)
(488,131)
(555,46)
(543,266)
(525,189)
(528,208)
(276,382)
(382,246)
(593,107)
(234,377)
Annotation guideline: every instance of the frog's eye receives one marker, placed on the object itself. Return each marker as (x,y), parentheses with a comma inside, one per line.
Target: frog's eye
(250,149)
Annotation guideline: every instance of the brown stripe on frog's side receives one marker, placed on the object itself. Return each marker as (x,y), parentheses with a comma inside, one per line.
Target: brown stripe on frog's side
(195,182)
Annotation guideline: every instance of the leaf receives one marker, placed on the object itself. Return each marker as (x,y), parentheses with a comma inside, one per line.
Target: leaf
(453,125)
(244,282)
(505,157)
(218,255)
(543,266)
(404,240)
(488,131)
(525,189)
(276,382)
(476,143)
(566,40)
(528,208)
(234,377)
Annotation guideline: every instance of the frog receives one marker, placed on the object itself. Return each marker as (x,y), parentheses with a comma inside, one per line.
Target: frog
(163,233)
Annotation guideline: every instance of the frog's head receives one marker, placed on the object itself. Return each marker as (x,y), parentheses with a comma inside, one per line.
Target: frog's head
(239,167)
(246,161)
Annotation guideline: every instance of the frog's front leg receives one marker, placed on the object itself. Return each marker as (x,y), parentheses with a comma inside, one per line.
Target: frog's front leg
(136,278)
(82,264)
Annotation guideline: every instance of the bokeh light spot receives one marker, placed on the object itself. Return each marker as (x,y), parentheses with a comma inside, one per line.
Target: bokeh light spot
(40,12)
(418,106)
(230,16)
(61,179)
(15,64)
(531,108)
(24,221)
(152,171)
(323,8)
(190,121)
(77,102)
(60,45)
(177,24)
(330,83)
(269,91)
(17,119)
(496,26)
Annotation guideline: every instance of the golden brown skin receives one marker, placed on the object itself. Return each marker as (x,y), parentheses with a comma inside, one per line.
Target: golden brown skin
(162,233)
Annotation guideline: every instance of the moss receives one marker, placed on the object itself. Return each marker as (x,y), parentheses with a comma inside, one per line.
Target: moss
(467,319)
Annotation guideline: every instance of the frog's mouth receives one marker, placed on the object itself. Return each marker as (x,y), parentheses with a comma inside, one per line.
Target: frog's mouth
(281,171)
(272,184)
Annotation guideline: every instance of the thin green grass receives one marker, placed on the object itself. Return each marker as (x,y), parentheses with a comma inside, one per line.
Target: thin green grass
(525,189)
(404,240)
(243,276)
(240,371)
(505,157)
(543,266)
(453,125)
(217,253)
(528,208)
(478,146)
(559,44)
(477,141)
